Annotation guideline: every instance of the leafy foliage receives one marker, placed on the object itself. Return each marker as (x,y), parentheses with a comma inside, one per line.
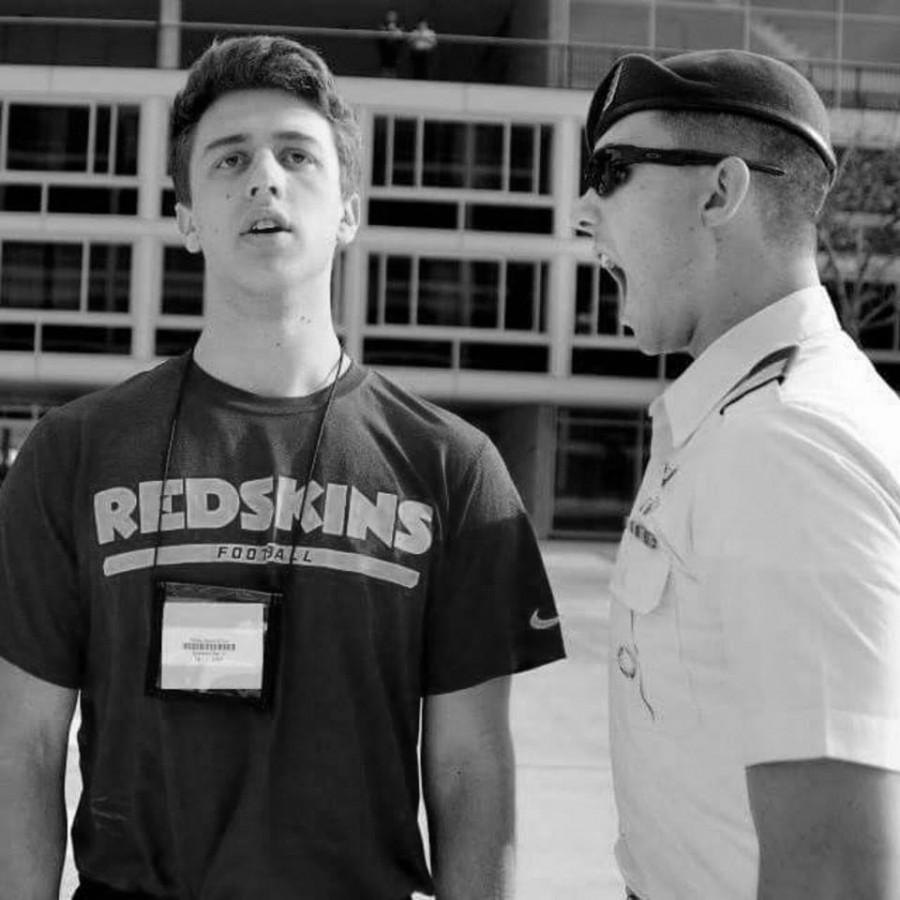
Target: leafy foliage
(859,239)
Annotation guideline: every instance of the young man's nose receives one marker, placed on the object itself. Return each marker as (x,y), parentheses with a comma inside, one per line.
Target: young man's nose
(266,175)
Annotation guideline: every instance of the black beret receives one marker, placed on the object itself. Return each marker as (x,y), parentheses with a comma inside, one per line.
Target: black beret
(715,81)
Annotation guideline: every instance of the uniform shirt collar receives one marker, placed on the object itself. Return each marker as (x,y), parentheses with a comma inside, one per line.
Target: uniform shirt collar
(689,399)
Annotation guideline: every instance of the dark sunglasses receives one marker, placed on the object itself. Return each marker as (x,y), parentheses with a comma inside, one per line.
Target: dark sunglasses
(608,166)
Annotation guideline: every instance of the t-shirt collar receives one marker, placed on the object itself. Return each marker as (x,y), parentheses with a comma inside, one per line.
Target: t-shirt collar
(689,399)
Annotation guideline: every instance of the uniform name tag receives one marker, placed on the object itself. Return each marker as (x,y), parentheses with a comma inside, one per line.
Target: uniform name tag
(212,642)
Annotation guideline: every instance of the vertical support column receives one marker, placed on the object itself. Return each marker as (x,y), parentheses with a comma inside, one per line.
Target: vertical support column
(354,302)
(561,286)
(168,46)
(559,27)
(146,258)
(839,54)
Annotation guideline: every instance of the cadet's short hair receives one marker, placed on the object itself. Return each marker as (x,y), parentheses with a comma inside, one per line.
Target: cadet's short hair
(790,203)
(261,62)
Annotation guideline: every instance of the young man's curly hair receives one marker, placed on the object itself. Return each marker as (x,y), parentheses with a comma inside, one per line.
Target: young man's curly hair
(261,63)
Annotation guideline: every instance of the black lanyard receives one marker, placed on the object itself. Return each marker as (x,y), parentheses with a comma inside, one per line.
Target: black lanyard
(170,446)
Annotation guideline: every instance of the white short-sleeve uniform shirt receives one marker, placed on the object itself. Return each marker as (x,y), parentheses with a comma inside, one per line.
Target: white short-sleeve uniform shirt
(756,594)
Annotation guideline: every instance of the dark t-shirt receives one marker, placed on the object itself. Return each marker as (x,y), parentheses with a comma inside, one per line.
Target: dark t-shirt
(416,572)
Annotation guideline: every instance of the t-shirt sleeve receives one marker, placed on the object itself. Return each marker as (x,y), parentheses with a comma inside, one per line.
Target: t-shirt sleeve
(799,546)
(41,625)
(490,608)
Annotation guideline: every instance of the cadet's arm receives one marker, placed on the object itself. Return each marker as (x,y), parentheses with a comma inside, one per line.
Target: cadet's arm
(468,774)
(827,829)
(34,729)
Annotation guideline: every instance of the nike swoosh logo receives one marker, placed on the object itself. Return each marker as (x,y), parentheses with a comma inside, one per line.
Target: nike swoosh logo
(540,624)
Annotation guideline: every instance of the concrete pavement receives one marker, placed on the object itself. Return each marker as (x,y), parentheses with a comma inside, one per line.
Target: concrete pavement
(566,818)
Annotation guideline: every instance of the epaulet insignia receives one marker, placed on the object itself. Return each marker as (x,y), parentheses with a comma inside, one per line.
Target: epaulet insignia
(774,367)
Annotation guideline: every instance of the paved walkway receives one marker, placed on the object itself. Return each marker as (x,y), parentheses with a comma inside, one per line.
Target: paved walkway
(566,818)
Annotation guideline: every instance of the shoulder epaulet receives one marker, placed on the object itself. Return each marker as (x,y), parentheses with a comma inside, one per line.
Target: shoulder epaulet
(774,367)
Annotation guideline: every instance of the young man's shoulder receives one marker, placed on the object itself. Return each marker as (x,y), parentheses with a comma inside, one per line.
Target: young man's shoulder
(140,396)
(404,407)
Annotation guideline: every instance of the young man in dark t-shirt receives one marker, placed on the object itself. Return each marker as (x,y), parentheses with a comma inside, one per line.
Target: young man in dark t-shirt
(258,565)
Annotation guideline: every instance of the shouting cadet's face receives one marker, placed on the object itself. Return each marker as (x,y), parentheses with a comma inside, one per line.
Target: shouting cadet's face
(645,223)
(266,204)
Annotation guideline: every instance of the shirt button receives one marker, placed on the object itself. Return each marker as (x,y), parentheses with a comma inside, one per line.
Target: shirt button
(627,662)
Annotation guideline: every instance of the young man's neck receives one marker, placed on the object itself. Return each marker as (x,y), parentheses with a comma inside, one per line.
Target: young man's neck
(271,359)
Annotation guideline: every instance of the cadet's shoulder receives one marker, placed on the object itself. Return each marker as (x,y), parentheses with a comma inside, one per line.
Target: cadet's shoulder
(760,380)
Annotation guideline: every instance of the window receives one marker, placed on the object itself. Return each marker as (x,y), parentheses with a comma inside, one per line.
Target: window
(65,276)
(601,455)
(482,156)
(495,295)
(182,282)
(596,302)
(99,139)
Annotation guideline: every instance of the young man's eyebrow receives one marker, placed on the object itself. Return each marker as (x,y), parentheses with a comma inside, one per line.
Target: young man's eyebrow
(230,140)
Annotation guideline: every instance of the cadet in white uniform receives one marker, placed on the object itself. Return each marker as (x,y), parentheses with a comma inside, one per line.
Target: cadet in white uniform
(755,633)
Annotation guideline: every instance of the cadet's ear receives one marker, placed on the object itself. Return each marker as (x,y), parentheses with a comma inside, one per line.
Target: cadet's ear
(185,219)
(349,223)
(727,188)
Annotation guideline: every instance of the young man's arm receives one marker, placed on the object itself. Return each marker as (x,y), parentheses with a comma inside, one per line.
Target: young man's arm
(827,829)
(34,730)
(468,773)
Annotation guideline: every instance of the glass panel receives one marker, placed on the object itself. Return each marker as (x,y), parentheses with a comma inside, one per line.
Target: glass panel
(127,140)
(584,299)
(521,158)
(404,168)
(109,277)
(372,289)
(397,293)
(20,197)
(872,41)
(51,138)
(379,150)
(98,201)
(503,357)
(520,296)
(698,29)
(85,339)
(398,352)
(599,461)
(610,23)
(546,161)
(40,275)
(814,5)
(101,139)
(440,292)
(444,156)
(792,35)
(483,294)
(182,286)
(172,341)
(486,170)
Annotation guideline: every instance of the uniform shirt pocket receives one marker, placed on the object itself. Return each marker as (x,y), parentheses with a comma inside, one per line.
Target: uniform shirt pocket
(647,640)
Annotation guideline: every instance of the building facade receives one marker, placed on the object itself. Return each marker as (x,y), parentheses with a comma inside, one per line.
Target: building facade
(466,281)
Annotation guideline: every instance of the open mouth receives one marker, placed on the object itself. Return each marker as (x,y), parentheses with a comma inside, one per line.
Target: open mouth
(616,271)
(267,225)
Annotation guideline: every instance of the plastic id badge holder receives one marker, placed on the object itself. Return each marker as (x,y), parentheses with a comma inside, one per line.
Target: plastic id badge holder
(213,643)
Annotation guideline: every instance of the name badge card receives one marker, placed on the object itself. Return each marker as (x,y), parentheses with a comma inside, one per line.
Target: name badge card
(212,642)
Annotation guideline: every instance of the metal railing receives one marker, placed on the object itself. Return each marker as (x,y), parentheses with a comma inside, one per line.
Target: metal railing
(144,43)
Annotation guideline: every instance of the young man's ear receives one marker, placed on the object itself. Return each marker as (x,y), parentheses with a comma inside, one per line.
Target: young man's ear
(349,223)
(185,219)
(727,188)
